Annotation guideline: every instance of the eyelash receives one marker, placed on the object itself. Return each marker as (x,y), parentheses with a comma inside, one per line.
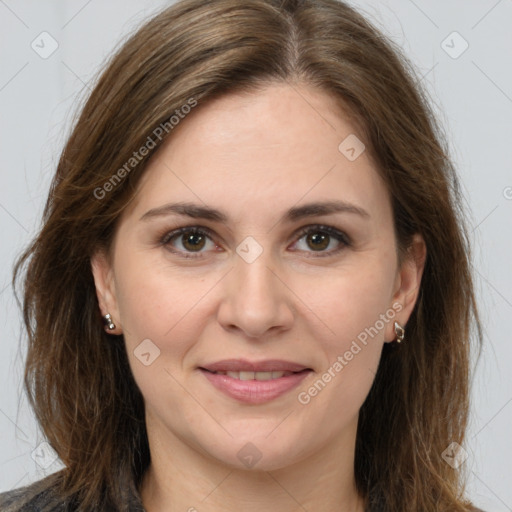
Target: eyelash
(341,237)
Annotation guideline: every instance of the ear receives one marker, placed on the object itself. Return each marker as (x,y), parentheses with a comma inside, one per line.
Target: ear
(407,284)
(103,274)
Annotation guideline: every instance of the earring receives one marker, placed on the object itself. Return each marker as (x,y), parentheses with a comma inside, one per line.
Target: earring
(400,332)
(107,319)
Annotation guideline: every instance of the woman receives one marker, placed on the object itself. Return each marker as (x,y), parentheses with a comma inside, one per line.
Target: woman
(252,287)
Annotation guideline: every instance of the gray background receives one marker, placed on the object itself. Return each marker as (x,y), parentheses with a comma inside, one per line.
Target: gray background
(472,94)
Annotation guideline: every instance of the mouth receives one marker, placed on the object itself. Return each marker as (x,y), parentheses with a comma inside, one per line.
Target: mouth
(261,376)
(254,383)
(244,365)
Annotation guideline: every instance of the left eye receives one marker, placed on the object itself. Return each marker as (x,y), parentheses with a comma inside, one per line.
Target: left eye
(194,239)
(320,237)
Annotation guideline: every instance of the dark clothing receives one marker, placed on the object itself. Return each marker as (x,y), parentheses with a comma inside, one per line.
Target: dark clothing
(41,497)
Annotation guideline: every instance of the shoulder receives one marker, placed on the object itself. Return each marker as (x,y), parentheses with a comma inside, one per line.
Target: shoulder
(45,496)
(40,496)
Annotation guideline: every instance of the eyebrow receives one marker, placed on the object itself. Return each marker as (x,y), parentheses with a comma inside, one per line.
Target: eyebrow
(197,211)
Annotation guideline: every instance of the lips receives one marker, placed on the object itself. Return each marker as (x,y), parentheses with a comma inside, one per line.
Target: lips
(255,375)
(243,365)
(254,382)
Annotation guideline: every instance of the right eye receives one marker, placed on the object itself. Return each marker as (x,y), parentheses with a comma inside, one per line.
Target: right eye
(192,239)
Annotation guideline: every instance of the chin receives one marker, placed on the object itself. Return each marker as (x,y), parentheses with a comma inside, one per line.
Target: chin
(259,453)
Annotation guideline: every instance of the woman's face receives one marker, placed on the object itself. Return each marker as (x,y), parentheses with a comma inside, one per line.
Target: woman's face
(254,285)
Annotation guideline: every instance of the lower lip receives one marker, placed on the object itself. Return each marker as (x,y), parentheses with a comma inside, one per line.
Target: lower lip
(255,391)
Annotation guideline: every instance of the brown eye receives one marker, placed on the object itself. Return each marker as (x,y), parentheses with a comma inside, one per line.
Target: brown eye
(193,241)
(318,241)
(188,242)
(319,238)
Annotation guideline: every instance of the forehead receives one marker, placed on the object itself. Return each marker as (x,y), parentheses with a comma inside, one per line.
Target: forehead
(252,152)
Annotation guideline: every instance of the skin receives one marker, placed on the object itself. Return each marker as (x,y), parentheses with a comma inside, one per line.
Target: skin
(254,156)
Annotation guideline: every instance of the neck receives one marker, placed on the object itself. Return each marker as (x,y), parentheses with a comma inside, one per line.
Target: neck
(181,477)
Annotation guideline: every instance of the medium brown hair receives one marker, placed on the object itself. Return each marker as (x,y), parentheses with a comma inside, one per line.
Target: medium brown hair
(77,376)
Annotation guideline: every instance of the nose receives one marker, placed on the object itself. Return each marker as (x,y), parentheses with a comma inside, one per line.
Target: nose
(255,299)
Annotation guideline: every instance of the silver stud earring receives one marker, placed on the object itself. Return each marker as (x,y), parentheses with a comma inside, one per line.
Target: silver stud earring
(400,332)
(107,319)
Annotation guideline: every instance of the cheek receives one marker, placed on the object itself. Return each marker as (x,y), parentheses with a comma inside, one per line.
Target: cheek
(157,304)
(353,299)
(163,309)
(151,296)
(352,307)
(168,305)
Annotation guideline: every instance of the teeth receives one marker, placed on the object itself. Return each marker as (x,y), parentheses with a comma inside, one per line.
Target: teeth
(265,375)
(255,375)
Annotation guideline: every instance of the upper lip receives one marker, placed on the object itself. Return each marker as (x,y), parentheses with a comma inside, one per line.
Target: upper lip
(243,365)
